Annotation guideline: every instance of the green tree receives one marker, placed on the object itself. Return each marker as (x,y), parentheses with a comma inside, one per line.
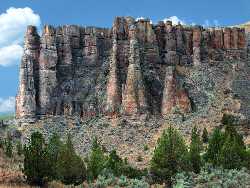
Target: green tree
(35,161)
(53,149)
(71,168)
(228,119)
(170,156)
(8,147)
(19,148)
(233,152)
(205,135)
(96,160)
(215,144)
(195,150)
(114,163)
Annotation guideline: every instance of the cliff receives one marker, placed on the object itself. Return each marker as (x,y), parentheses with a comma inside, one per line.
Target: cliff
(134,68)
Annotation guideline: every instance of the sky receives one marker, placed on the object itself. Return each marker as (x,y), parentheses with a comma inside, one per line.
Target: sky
(15,15)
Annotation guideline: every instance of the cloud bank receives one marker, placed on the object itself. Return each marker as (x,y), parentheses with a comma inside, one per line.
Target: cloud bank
(175,20)
(7,105)
(13,26)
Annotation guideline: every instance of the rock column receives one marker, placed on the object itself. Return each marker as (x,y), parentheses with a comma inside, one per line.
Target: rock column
(26,100)
(133,100)
(47,71)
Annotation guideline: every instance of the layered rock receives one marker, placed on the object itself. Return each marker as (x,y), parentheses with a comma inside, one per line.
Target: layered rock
(26,100)
(133,100)
(114,96)
(128,69)
(175,97)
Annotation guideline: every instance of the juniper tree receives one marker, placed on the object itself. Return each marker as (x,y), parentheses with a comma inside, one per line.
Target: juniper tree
(233,153)
(53,149)
(215,144)
(170,156)
(35,161)
(8,147)
(71,168)
(96,160)
(114,163)
(195,150)
(19,148)
(205,135)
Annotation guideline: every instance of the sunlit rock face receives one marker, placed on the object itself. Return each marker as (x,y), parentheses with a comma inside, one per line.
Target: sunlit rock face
(133,69)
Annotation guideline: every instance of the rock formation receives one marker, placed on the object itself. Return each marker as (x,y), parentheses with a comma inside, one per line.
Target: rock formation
(133,68)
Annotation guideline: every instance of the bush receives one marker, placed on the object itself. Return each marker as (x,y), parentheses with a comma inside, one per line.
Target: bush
(71,168)
(145,147)
(228,119)
(114,163)
(35,161)
(205,135)
(170,156)
(123,181)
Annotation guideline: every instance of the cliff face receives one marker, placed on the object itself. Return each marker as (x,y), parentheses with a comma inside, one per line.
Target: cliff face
(135,68)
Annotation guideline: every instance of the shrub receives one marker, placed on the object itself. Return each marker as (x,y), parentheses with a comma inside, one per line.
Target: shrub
(228,119)
(132,172)
(145,147)
(205,135)
(70,166)
(170,156)
(114,163)
(1,143)
(139,158)
(35,161)
(135,183)
(122,181)
(19,148)
(195,150)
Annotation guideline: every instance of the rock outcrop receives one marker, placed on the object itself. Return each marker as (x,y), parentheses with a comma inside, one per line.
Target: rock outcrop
(134,68)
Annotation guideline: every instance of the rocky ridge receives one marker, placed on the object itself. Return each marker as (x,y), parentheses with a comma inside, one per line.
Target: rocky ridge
(131,68)
(126,84)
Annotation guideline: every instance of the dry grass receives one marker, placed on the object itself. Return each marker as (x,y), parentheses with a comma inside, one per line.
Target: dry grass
(10,173)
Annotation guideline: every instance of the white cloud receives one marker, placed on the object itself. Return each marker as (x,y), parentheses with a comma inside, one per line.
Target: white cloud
(10,55)
(213,23)
(7,105)
(175,20)
(13,26)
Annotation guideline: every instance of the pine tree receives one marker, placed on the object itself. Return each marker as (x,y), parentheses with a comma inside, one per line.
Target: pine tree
(35,161)
(114,163)
(195,150)
(19,148)
(205,135)
(53,148)
(215,144)
(71,168)
(8,147)
(96,160)
(170,156)
(233,153)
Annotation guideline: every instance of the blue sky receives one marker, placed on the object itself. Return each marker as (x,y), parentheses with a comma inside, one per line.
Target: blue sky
(97,13)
